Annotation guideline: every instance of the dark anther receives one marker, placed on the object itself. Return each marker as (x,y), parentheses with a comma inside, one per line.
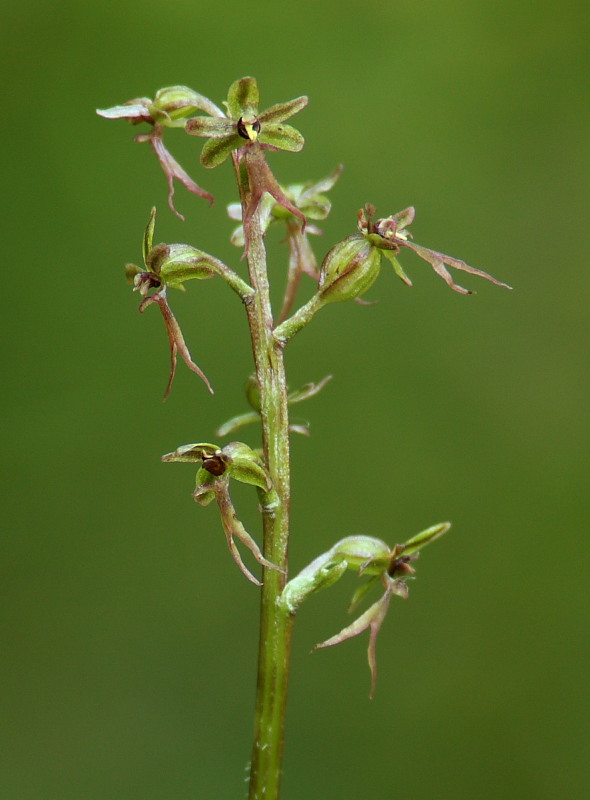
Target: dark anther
(243,130)
(216,465)
(401,566)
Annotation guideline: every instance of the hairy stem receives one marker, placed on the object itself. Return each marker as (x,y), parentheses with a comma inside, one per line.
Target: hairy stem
(275,622)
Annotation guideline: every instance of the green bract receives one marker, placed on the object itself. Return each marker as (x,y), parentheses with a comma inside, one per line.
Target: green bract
(245,124)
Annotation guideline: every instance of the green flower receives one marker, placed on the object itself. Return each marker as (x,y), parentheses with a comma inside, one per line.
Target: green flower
(169,265)
(372,558)
(389,235)
(244,124)
(168,109)
(238,461)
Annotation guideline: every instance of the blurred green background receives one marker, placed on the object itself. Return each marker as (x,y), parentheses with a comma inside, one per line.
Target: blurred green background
(129,637)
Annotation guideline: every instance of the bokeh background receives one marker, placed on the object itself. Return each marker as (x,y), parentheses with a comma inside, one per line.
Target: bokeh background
(129,637)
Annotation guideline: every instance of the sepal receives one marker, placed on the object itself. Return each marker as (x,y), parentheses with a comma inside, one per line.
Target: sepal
(420,540)
(204,493)
(246,466)
(243,98)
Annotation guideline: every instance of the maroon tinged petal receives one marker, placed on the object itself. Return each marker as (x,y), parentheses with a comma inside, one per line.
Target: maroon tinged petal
(438,260)
(175,338)
(262,180)
(171,167)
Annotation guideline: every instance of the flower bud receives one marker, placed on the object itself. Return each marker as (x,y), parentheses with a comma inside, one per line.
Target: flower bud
(349,270)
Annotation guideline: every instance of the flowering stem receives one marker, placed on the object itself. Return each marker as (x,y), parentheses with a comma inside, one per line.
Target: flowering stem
(275,623)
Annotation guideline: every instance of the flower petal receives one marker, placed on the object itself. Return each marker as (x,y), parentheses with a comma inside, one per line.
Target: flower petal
(148,236)
(405,217)
(243,98)
(180,101)
(438,260)
(396,266)
(420,540)
(285,137)
(139,109)
(211,127)
(215,151)
(282,111)
(323,185)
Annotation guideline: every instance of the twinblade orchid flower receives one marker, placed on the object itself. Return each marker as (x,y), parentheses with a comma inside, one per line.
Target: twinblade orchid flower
(246,133)
(390,235)
(374,559)
(244,124)
(238,461)
(168,109)
(168,265)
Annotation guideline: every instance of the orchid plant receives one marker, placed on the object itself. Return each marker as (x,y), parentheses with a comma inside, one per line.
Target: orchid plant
(241,134)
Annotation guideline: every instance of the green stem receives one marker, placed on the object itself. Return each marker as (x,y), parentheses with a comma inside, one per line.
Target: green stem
(275,622)
(302,317)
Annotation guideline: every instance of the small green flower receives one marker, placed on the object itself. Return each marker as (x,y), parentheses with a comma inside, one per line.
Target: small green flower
(238,461)
(168,265)
(244,124)
(168,109)
(247,133)
(389,235)
(370,557)
(352,266)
